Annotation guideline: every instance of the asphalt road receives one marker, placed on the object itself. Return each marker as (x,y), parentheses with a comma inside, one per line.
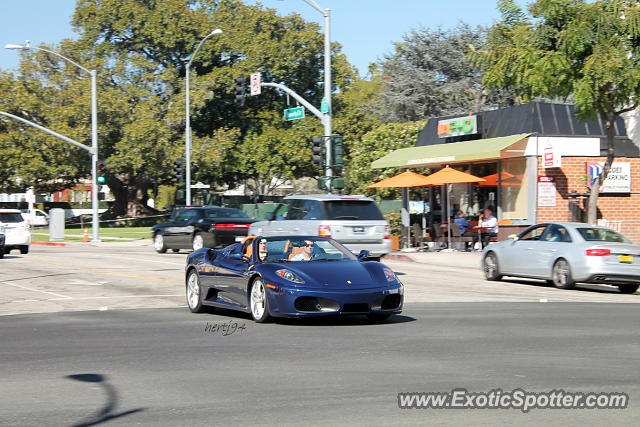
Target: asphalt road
(132,275)
(169,367)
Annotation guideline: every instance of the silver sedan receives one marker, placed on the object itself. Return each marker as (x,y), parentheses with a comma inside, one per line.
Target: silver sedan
(565,253)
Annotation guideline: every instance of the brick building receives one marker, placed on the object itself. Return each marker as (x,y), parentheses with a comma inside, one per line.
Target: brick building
(538,161)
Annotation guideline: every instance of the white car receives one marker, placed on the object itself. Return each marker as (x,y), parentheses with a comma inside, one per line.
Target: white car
(35,217)
(17,233)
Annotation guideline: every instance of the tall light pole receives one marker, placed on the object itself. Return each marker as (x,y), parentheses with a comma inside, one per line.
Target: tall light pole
(328,128)
(94,132)
(187,130)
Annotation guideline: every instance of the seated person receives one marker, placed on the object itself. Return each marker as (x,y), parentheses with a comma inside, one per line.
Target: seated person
(305,255)
(463,226)
(489,227)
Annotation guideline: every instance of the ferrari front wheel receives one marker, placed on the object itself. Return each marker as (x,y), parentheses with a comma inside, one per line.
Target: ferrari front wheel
(194,299)
(258,302)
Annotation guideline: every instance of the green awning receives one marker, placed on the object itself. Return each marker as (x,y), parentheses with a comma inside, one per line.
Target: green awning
(455,152)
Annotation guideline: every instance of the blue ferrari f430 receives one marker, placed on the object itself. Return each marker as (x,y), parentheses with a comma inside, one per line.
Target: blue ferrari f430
(291,276)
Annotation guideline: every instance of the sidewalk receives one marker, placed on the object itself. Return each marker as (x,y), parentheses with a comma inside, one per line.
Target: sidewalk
(449,259)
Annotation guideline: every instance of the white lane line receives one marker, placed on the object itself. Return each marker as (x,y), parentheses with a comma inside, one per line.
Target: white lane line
(35,290)
(116,296)
(181,264)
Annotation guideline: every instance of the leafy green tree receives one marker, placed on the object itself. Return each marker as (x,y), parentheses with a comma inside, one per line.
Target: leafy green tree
(373,145)
(587,50)
(428,74)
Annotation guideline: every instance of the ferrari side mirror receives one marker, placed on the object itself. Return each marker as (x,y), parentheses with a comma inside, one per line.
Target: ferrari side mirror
(363,254)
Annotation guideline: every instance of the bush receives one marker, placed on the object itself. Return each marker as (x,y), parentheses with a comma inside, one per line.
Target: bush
(395,222)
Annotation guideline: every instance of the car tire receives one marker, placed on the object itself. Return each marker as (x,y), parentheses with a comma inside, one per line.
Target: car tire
(561,275)
(258,301)
(24,249)
(490,267)
(175,251)
(1,253)
(158,243)
(194,293)
(628,288)
(378,317)
(197,242)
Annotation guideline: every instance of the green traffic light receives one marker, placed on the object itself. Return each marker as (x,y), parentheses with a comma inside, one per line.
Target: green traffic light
(101,179)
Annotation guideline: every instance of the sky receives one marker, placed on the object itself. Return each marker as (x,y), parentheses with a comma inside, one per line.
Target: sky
(366,29)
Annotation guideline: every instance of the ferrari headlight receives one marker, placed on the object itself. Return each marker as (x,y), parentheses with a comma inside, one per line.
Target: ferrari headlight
(289,275)
(389,275)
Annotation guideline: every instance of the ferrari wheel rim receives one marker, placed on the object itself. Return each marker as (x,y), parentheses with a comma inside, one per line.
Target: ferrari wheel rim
(193,291)
(561,273)
(158,242)
(258,299)
(197,242)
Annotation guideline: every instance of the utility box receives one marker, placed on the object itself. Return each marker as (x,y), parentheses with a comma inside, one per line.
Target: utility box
(56,224)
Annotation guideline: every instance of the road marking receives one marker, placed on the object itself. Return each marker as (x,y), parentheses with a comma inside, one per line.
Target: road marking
(112,273)
(86,283)
(116,296)
(35,290)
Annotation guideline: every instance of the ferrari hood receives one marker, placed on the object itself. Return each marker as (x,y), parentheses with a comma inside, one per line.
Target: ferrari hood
(338,275)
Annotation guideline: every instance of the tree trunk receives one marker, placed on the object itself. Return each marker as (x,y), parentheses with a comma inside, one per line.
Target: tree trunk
(130,193)
(592,206)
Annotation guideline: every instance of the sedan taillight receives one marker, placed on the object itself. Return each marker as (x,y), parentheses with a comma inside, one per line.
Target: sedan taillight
(324,231)
(597,252)
(231,225)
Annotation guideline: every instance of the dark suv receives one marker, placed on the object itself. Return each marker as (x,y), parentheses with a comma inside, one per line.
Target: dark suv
(195,227)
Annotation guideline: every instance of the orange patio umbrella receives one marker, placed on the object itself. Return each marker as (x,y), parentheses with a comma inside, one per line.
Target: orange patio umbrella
(448,176)
(405,179)
(492,180)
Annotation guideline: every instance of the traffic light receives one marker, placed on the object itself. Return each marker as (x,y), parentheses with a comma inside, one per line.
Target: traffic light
(102,170)
(337,151)
(317,145)
(241,90)
(178,169)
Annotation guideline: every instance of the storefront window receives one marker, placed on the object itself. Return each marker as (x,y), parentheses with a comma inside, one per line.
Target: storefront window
(514,189)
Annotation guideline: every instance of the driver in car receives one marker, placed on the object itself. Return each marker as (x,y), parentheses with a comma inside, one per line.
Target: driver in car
(307,250)
(262,249)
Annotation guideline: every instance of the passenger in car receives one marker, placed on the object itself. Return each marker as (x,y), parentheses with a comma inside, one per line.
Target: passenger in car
(305,254)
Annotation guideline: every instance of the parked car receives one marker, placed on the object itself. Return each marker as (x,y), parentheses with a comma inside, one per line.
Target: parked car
(354,221)
(35,217)
(196,227)
(2,241)
(566,253)
(269,277)
(17,233)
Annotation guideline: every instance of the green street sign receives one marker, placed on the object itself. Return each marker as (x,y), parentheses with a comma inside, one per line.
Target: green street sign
(294,113)
(324,106)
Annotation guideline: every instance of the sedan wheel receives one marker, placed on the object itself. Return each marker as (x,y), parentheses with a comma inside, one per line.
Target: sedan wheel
(158,243)
(197,242)
(628,288)
(193,293)
(561,275)
(258,302)
(490,267)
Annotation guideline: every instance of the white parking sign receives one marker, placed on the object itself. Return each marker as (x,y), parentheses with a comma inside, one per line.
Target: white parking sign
(255,84)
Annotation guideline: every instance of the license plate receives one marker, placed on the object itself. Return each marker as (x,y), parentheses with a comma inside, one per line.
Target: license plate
(625,258)
(358,229)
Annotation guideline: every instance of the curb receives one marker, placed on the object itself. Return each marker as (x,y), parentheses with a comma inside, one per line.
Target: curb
(48,244)
(398,258)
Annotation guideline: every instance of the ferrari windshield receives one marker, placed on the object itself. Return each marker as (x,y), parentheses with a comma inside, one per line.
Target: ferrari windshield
(302,249)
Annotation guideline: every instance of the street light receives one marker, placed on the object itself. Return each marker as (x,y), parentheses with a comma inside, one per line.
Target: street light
(187,136)
(94,131)
(328,128)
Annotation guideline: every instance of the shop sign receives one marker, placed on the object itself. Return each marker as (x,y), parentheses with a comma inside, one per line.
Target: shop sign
(546,191)
(551,158)
(467,125)
(618,180)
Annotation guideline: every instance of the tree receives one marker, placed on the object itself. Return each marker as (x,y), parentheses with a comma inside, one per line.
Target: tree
(428,75)
(589,51)
(374,145)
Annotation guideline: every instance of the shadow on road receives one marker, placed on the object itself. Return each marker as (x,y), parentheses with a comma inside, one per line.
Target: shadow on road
(583,287)
(104,414)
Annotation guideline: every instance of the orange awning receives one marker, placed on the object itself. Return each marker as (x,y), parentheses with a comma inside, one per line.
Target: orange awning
(405,179)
